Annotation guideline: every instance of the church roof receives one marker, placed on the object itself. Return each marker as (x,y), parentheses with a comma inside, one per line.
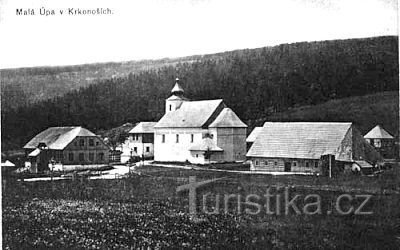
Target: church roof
(177,88)
(253,135)
(378,133)
(302,140)
(143,127)
(174,97)
(57,137)
(227,119)
(206,144)
(191,114)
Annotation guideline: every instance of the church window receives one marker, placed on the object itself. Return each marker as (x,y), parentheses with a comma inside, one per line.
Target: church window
(170,107)
(163,138)
(147,149)
(177,138)
(191,138)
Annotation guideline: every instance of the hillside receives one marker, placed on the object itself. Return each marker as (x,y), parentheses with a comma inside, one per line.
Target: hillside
(364,111)
(256,84)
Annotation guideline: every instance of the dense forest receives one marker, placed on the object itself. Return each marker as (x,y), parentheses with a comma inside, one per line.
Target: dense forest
(255,83)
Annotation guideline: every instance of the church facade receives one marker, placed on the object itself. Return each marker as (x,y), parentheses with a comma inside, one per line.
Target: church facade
(198,132)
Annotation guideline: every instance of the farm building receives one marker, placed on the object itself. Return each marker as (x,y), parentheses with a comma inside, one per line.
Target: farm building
(60,147)
(308,146)
(198,131)
(140,142)
(382,141)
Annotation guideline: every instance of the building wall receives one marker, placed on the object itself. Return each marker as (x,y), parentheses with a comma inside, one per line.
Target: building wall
(232,141)
(278,164)
(99,151)
(170,150)
(139,144)
(362,150)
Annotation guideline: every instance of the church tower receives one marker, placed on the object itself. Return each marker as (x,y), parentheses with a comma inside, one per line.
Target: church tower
(176,99)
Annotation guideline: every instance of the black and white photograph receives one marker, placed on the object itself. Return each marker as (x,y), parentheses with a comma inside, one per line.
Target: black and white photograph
(200,124)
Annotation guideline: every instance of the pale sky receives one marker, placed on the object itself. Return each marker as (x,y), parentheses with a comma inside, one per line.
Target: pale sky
(151,29)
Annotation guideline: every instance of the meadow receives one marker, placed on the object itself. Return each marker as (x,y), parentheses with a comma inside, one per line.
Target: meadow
(145,211)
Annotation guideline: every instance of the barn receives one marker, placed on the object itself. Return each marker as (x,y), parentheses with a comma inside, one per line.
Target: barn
(306,146)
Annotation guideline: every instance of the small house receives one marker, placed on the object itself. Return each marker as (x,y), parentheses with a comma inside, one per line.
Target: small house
(382,141)
(140,142)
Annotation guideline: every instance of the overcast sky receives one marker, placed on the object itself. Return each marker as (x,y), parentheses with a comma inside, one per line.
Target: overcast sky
(150,29)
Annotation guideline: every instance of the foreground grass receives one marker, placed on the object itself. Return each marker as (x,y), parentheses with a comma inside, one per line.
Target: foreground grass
(146,211)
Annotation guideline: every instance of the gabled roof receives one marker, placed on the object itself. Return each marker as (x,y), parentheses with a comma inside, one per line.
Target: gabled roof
(206,144)
(378,133)
(227,119)
(194,114)
(253,135)
(57,137)
(303,140)
(143,127)
(7,163)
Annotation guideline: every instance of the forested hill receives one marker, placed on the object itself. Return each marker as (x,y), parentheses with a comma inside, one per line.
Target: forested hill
(255,83)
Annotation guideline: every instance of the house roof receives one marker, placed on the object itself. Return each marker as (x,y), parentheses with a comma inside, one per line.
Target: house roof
(253,135)
(57,137)
(143,127)
(206,144)
(227,119)
(7,163)
(302,140)
(378,133)
(363,164)
(191,114)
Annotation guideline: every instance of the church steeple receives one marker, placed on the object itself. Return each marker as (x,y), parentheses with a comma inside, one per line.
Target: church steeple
(176,99)
(177,89)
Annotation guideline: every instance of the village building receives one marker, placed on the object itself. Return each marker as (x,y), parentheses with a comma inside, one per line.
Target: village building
(140,142)
(382,141)
(63,148)
(310,147)
(199,132)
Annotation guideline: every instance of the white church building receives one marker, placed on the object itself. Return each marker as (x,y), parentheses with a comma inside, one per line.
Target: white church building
(199,132)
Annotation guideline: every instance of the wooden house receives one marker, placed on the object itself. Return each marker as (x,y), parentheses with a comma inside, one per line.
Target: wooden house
(382,141)
(65,146)
(308,146)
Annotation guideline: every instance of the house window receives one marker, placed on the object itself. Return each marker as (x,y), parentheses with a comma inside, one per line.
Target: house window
(91,156)
(177,138)
(192,138)
(101,156)
(75,143)
(91,142)
(197,155)
(71,156)
(81,157)
(97,143)
(276,163)
(294,164)
(163,139)
(256,163)
(316,164)
(266,163)
(135,149)
(81,142)
(307,164)
(377,143)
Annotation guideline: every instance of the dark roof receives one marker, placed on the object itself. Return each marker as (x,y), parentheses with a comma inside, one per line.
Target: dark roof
(378,133)
(57,137)
(191,114)
(227,119)
(302,140)
(143,127)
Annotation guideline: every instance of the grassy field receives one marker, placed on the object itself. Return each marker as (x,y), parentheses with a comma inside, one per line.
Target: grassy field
(146,211)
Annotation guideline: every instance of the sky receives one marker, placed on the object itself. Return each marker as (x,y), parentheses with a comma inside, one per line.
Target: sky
(152,29)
